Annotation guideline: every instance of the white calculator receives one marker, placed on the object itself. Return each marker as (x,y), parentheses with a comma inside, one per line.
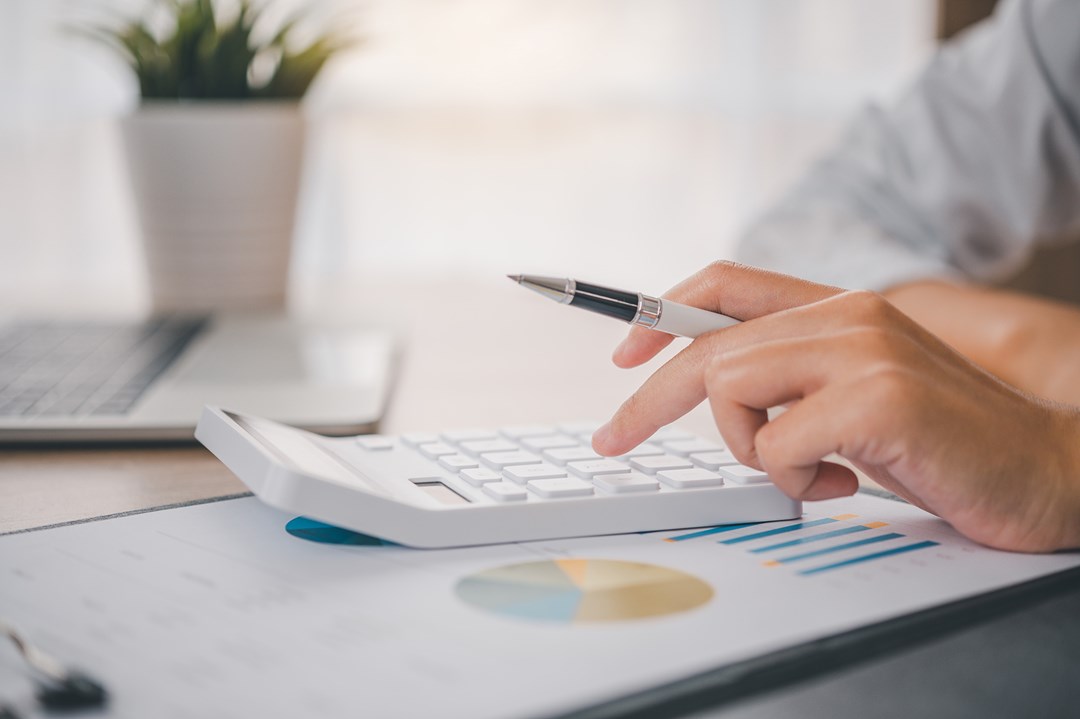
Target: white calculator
(480,486)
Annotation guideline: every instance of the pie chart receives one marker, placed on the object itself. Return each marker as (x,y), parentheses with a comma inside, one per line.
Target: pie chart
(572,591)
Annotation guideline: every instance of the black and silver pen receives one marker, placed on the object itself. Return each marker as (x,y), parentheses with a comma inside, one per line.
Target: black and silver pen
(633,307)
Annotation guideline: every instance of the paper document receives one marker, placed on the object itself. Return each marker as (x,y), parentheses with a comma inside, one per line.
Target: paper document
(220,610)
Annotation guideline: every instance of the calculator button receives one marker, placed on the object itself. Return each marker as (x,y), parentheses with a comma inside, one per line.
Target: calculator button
(577,428)
(467,435)
(592,467)
(522,473)
(558,488)
(652,465)
(713,460)
(504,492)
(625,483)
(569,454)
(686,447)
(415,439)
(533,430)
(484,446)
(433,450)
(457,462)
(741,474)
(552,441)
(374,442)
(689,478)
(501,460)
(643,450)
(480,476)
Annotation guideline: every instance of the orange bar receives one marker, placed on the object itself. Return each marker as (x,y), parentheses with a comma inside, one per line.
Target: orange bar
(876,525)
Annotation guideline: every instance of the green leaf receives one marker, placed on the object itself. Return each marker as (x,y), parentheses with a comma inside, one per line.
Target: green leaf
(200,60)
(297,70)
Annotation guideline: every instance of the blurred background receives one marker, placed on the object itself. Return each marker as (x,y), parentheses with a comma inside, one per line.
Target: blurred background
(624,141)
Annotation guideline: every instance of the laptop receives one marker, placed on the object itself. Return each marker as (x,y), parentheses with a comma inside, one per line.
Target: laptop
(149,380)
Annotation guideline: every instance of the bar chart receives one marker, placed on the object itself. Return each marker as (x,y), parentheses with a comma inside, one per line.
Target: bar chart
(812,545)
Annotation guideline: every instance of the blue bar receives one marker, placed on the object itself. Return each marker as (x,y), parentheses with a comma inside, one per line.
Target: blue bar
(713,530)
(839,548)
(778,530)
(814,538)
(868,557)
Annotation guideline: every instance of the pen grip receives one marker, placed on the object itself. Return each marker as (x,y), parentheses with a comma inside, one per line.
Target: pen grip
(686,321)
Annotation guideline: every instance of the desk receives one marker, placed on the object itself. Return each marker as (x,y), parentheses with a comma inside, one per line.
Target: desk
(559,372)
(485,336)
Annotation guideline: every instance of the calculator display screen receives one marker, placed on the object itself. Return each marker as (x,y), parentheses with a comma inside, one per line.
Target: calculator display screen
(441,492)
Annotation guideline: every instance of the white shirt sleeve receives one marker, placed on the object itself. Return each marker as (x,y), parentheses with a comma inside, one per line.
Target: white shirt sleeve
(962,177)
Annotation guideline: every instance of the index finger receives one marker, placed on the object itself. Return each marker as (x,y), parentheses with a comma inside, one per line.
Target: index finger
(729,288)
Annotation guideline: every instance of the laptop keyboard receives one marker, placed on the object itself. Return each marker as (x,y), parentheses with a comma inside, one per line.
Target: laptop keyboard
(83,369)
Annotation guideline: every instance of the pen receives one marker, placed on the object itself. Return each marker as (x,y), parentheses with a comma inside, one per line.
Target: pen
(633,307)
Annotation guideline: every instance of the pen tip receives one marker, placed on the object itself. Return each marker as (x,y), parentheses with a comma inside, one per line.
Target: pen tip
(515,278)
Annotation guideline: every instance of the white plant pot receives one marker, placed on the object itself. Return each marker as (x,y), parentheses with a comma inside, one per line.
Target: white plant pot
(216,185)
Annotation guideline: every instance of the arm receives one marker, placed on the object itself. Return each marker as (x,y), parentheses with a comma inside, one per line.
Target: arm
(1032,343)
(864,381)
(978,162)
(959,178)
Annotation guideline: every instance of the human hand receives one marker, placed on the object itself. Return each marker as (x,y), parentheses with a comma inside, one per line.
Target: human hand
(864,381)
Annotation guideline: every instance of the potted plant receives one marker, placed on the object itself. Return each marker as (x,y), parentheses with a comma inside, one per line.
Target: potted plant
(215,148)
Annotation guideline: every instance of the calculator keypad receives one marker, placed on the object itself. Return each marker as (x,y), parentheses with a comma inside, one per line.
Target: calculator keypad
(539,463)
